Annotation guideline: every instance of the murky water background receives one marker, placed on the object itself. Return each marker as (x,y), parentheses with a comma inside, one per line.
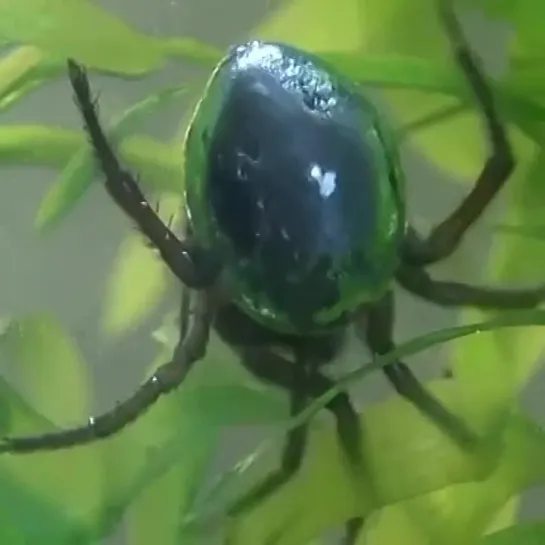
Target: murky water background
(65,272)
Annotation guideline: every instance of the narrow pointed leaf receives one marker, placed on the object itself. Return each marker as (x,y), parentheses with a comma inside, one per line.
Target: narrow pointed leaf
(80,171)
(69,29)
(53,147)
(139,278)
(521,534)
(51,366)
(60,492)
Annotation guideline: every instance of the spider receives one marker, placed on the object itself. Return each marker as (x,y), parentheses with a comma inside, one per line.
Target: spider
(296,231)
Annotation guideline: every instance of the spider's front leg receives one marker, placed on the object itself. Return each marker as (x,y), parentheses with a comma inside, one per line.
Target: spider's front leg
(195,267)
(304,382)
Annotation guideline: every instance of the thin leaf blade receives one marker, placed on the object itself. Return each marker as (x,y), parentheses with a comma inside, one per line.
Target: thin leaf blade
(68,30)
(78,175)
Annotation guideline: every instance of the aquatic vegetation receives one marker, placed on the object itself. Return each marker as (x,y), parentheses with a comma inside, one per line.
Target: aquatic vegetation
(427,490)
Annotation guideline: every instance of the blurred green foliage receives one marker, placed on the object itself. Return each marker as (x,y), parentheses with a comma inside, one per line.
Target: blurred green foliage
(424,490)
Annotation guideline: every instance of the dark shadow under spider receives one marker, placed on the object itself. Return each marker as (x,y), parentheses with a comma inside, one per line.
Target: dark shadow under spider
(198,272)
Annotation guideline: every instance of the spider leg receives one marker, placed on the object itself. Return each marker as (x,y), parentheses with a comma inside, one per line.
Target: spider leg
(190,349)
(459,294)
(303,381)
(294,379)
(446,237)
(191,264)
(378,334)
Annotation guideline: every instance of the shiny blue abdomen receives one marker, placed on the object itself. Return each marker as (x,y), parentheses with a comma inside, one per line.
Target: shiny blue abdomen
(291,178)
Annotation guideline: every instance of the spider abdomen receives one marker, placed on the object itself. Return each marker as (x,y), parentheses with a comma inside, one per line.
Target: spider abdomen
(290,179)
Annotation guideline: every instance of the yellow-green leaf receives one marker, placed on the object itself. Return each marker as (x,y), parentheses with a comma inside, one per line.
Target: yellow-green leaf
(60,492)
(69,29)
(53,370)
(52,146)
(21,70)
(333,26)
(139,277)
(434,518)
(79,173)
(521,534)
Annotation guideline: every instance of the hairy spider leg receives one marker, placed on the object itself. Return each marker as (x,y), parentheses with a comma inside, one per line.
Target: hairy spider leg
(193,266)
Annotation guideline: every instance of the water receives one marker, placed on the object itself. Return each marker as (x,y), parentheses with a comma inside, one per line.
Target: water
(66,271)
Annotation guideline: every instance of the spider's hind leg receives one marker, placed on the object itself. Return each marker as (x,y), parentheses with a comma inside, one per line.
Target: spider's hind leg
(304,381)
(377,332)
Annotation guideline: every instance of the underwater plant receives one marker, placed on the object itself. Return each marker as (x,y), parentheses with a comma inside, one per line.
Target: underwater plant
(452,496)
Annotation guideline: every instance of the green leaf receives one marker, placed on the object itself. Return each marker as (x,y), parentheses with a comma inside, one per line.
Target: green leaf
(37,145)
(506,516)
(22,70)
(396,71)
(180,464)
(519,96)
(395,435)
(536,232)
(521,534)
(69,29)
(526,319)
(63,30)
(44,356)
(78,175)
(489,368)
(410,522)
(498,9)
(399,431)
(61,492)
(424,38)
(27,67)
(191,50)
(459,513)
(415,79)
(134,287)
(513,354)
(527,78)
(158,464)
(153,513)
(315,25)
(51,146)
(525,16)
(52,523)
(139,278)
